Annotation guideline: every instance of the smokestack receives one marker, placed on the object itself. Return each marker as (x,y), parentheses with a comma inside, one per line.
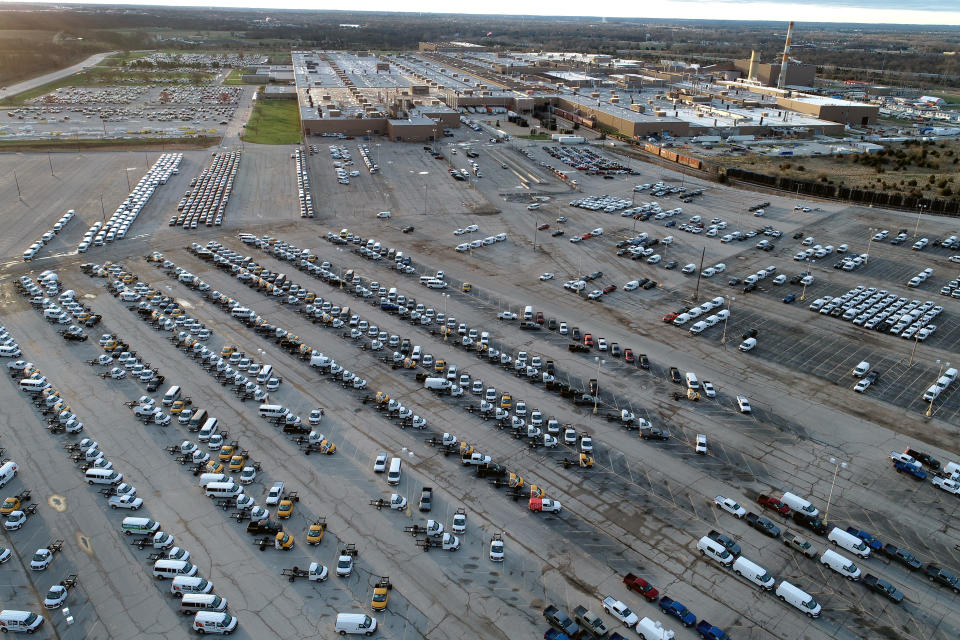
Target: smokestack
(751,70)
(786,52)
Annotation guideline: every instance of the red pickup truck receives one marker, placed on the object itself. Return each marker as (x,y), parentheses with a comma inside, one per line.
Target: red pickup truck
(641,586)
(775,504)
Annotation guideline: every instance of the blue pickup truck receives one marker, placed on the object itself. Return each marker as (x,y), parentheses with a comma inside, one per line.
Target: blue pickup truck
(673,608)
(868,538)
(903,467)
(554,634)
(709,632)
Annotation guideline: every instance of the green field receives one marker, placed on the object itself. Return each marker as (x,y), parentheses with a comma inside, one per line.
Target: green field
(64,144)
(234,77)
(274,122)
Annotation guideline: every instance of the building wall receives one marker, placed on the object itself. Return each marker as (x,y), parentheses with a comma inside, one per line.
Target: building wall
(413,132)
(769,74)
(853,114)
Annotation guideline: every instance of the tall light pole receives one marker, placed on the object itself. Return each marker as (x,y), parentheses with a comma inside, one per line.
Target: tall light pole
(425,185)
(803,294)
(596,393)
(869,240)
(723,336)
(917,228)
(929,411)
(446,296)
(839,464)
(127,173)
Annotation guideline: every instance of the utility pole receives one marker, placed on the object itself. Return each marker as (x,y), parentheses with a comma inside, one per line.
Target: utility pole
(16,180)
(50,160)
(696,292)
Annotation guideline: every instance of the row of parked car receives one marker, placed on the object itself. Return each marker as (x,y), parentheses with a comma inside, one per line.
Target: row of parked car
(882,311)
(854,540)
(119,223)
(586,159)
(206,200)
(303,186)
(48,236)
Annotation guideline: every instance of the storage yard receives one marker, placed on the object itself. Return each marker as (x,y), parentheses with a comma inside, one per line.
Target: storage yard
(563,440)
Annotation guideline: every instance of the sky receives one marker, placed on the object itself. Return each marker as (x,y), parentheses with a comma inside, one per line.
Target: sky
(929,12)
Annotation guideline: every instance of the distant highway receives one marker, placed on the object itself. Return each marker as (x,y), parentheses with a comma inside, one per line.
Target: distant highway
(26,85)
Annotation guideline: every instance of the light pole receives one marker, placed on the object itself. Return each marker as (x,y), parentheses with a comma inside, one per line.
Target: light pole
(723,336)
(839,464)
(929,411)
(447,329)
(803,294)
(917,228)
(425,185)
(127,173)
(596,393)
(869,240)
(916,341)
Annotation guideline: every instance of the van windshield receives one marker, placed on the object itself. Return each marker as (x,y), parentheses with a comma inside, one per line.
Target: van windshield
(810,604)
(766,577)
(851,568)
(30,619)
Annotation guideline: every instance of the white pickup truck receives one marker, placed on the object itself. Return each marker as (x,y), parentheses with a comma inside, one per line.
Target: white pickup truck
(620,611)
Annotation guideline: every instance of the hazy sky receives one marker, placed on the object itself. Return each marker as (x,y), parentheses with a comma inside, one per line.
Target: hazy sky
(933,12)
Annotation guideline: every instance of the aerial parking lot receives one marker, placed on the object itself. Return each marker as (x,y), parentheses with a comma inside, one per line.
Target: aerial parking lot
(507,451)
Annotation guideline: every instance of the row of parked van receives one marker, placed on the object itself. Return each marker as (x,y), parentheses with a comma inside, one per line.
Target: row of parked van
(48,236)
(756,574)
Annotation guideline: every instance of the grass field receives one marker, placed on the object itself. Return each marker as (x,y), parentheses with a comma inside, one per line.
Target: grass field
(167,144)
(274,122)
(234,77)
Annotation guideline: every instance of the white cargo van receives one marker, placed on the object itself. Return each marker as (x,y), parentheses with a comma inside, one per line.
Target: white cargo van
(171,396)
(355,623)
(191,603)
(265,373)
(8,472)
(273,411)
(222,490)
(393,475)
(167,568)
(753,572)
(139,526)
(103,476)
(692,382)
(209,428)
(207,478)
(797,503)
(182,585)
(528,313)
(861,369)
(715,551)
(848,541)
(841,565)
(19,621)
(437,383)
(33,385)
(798,598)
(213,622)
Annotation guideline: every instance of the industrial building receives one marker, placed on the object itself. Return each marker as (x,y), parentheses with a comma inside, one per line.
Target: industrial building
(413,96)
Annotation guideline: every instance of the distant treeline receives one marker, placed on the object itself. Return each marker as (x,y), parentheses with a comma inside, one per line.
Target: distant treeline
(867,47)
